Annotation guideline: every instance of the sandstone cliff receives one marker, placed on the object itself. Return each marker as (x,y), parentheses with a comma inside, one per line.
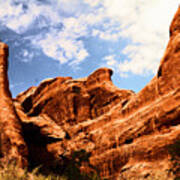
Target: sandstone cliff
(127,135)
(13,146)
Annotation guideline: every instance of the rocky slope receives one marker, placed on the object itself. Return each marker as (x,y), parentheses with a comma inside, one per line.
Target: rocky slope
(127,135)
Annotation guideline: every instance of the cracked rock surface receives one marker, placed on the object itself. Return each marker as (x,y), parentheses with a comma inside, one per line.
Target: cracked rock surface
(126,134)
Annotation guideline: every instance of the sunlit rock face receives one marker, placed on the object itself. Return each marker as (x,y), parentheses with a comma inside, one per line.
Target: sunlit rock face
(127,135)
(13,146)
(60,113)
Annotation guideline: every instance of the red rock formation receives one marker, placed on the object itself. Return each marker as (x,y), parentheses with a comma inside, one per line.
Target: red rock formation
(13,146)
(58,105)
(75,100)
(127,134)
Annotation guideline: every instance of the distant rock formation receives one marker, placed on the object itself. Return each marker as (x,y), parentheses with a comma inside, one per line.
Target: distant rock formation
(126,134)
(13,146)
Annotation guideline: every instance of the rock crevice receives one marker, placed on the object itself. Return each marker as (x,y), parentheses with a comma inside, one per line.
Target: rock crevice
(126,134)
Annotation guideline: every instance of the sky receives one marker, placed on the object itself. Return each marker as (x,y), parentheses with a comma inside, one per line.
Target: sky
(50,38)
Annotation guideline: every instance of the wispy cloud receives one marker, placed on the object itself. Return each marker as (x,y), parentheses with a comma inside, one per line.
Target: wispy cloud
(52,29)
(57,28)
(12,86)
(146,25)
(110,60)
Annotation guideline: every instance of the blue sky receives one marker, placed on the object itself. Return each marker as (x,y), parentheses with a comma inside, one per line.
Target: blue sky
(49,38)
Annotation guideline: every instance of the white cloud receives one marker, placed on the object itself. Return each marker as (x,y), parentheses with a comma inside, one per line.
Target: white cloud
(110,60)
(106,35)
(60,44)
(64,49)
(93,3)
(15,17)
(144,23)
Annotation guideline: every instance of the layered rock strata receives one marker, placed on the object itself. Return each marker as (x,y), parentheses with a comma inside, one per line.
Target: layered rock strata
(127,135)
(13,147)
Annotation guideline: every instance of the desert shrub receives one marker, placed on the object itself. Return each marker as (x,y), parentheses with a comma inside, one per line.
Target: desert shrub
(68,170)
(12,172)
